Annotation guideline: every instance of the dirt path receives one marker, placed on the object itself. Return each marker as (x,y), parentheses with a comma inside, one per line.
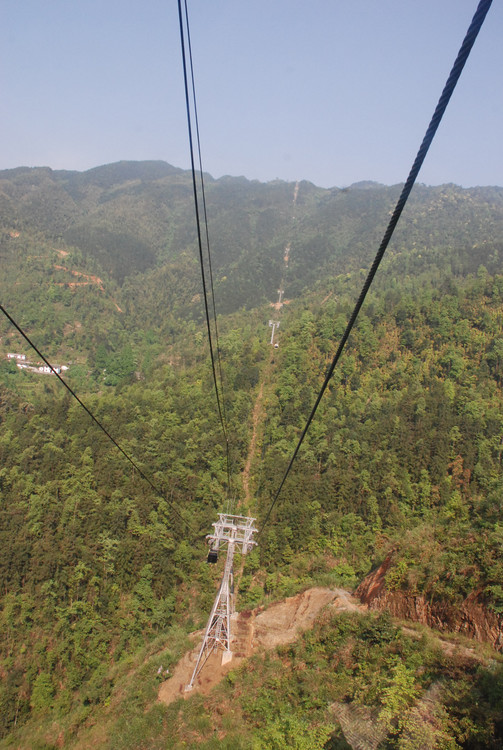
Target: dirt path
(296,192)
(450,648)
(256,421)
(257,414)
(88,279)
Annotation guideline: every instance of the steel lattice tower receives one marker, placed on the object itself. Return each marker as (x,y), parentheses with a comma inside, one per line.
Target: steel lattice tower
(235,532)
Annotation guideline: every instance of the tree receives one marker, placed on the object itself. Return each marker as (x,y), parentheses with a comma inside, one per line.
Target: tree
(397,697)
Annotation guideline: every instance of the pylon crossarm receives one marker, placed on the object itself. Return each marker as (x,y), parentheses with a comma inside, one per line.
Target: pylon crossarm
(239,529)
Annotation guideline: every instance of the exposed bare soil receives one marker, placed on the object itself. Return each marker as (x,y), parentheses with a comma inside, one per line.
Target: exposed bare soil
(470,617)
(253,630)
(266,628)
(89,279)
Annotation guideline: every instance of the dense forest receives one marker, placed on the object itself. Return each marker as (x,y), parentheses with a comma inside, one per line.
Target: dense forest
(103,578)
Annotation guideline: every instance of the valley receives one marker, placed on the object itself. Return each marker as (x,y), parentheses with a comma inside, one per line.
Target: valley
(104,578)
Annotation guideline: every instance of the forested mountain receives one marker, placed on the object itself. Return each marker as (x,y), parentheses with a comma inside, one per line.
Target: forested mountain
(402,464)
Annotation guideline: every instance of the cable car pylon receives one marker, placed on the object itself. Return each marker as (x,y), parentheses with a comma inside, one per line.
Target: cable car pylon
(235,532)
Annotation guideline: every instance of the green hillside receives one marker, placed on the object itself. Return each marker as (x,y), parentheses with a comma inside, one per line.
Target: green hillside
(102,577)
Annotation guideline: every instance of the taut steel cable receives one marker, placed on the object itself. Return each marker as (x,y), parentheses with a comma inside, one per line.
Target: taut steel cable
(471,35)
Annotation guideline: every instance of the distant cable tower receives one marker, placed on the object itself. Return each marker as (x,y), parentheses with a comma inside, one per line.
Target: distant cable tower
(274,324)
(235,532)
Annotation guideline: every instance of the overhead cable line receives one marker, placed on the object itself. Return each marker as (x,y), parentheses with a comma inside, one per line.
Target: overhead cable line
(465,49)
(225,426)
(205,213)
(96,420)
(214,351)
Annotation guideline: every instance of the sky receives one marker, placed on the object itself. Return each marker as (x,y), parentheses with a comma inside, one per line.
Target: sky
(331,91)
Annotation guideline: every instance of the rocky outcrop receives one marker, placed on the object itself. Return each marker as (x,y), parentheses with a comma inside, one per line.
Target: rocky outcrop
(470,617)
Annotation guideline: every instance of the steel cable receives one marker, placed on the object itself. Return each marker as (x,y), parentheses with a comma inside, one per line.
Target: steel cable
(471,35)
(215,360)
(96,420)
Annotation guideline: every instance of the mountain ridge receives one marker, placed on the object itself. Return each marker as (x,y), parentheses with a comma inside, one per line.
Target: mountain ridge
(404,455)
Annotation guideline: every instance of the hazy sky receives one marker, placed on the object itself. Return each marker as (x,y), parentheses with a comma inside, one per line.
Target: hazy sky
(333,91)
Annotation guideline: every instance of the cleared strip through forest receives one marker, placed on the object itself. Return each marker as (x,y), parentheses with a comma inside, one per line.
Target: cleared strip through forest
(258,411)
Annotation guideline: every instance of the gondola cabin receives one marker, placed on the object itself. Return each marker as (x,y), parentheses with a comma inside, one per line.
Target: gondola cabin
(212,556)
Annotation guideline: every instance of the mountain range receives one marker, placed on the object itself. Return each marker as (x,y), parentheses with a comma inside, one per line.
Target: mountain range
(397,489)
